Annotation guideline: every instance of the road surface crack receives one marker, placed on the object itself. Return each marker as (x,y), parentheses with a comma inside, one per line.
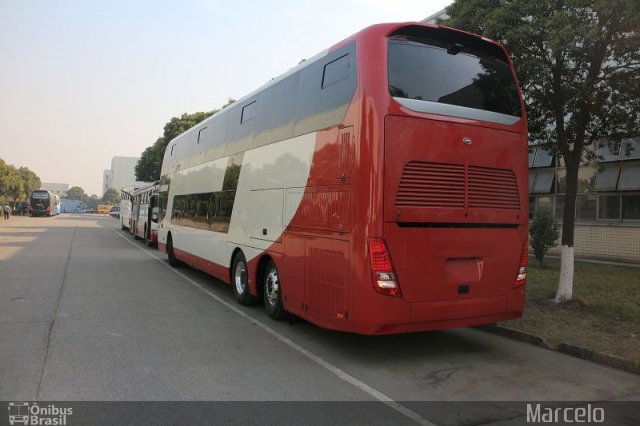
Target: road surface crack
(52,323)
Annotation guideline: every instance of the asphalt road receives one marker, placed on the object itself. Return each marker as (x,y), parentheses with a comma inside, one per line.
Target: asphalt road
(89,314)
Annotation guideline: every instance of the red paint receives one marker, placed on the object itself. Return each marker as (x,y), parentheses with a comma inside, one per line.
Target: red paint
(449,276)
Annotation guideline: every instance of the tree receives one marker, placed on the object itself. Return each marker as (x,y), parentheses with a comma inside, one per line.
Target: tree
(4,178)
(544,234)
(30,180)
(578,62)
(91,202)
(150,163)
(147,169)
(112,196)
(10,182)
(15,184)
(76,193)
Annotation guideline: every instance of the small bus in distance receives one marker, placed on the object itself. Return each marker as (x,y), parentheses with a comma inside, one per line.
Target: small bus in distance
(43,203)
(71,206)
(103,208)
(379,187)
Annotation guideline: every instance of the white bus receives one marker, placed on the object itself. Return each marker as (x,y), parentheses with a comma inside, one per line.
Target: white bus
(126,194)
(144,213)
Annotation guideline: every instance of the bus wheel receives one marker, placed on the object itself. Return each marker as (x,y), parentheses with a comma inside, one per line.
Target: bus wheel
(239,281)
(170,254)
(273,293)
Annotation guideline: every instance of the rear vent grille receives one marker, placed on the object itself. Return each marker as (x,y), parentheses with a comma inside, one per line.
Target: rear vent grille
(431,185)
(443,186)
(493,189)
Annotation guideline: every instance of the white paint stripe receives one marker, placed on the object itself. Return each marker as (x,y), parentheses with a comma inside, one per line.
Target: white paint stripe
(315,358)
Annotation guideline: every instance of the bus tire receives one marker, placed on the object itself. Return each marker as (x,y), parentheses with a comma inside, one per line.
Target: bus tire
(240,281)
(272,292)
(170,254)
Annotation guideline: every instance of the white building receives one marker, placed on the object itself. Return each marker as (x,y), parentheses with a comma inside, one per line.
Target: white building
(122,172)
(106,180)
(59,189)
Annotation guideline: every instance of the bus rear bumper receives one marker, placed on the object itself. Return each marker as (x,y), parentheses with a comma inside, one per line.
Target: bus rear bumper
(425,316)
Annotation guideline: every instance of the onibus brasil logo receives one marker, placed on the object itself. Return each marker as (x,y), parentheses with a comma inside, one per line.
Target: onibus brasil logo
(26,413)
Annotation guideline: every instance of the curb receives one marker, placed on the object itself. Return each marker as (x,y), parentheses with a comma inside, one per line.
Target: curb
(567,349)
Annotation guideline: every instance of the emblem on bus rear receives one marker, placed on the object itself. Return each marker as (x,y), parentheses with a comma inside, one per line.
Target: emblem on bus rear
(467,141)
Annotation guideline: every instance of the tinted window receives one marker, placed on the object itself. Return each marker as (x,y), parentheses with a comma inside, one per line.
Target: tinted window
(249,112)
(202,134)
(631,207)
(459,71)
(544,180)
(209,211)
(543,158)
(630,178)
(278,105)
(335,71)
(607,179)
(241,124)
(313,99)
(631,145)
(40,194)
(609,207)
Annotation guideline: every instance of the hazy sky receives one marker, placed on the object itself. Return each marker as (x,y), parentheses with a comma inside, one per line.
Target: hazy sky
(82,81)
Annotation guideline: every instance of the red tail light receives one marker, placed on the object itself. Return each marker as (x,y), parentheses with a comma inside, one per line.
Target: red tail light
(521,277)
(384,278)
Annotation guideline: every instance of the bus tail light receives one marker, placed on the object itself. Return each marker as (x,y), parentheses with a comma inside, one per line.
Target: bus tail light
(382,273)
(521,277)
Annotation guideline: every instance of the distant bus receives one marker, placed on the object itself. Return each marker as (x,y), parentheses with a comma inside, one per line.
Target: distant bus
(379,187)
(126,194)
(43,203)
(145,211)
(71,206)
(103,208)
(56,205)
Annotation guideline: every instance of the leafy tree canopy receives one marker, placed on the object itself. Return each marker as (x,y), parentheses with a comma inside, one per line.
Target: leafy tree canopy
(112,196)
(150,163)
(17,183)
(76,193)
(578,62)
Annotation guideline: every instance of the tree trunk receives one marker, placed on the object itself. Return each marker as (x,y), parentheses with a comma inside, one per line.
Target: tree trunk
(565,285)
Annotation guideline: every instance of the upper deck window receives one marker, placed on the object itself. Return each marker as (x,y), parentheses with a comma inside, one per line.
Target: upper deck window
(335,71)
(451,68)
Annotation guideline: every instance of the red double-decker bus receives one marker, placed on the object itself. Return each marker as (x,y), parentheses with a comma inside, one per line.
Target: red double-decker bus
(379,187)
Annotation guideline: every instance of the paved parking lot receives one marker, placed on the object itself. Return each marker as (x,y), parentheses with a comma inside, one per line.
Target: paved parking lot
(89,314)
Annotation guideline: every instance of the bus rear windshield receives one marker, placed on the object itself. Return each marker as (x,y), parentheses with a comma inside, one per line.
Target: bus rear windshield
(463,71)
(40,195)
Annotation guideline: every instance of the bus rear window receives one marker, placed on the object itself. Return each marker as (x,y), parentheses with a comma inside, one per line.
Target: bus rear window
(461,71)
